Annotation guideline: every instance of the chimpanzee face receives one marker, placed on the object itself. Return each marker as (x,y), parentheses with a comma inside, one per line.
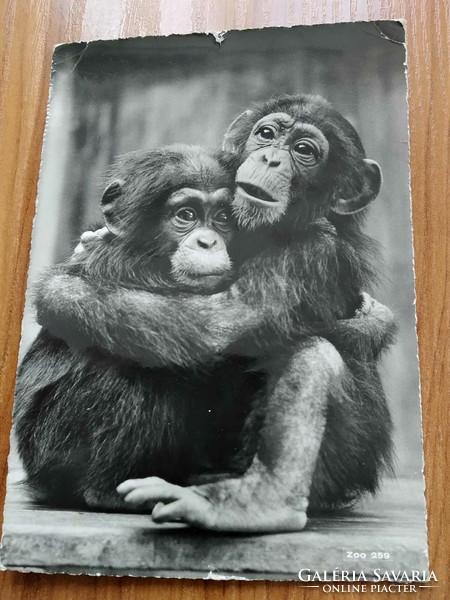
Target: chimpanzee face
(279,151)
(199,226)
(171,208)
(300,160)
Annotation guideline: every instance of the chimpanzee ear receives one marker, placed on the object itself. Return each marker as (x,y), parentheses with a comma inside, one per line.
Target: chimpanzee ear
(372,184)
(109,205)
(233,134)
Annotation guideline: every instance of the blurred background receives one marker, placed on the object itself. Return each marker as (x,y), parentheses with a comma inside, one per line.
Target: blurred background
(108,98)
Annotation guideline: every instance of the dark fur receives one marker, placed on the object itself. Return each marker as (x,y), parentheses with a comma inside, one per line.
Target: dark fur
(315,268)
(95,420)
(87,421)
(307,270)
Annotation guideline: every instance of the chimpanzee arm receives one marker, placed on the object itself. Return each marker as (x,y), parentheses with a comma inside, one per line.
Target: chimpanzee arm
(362,337)
(158,330)
(153,329)
(322,286)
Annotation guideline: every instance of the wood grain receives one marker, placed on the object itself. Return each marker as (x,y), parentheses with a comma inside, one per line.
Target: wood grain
(30,30)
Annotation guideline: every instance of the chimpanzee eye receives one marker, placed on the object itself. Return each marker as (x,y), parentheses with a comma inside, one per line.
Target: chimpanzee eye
(266,133)
(186,214)
(222,217)
(307,150)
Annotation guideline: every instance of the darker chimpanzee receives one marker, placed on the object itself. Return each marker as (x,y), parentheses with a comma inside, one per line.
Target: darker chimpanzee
(302,164)
(87,421)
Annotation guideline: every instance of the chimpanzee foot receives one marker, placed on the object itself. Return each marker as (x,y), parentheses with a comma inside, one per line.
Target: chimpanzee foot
(243,504)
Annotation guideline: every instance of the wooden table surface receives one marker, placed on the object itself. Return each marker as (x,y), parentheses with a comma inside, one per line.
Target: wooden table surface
(31,28)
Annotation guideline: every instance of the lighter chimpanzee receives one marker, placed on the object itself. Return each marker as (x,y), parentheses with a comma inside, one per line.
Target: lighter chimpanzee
(326,432)
(319,427)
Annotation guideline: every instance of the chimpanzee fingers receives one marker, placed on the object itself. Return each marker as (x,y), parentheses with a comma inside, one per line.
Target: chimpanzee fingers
(139,497)
(88,239)
(79,249)
(88,236)
(151,489)
(374,309)
(382,312)
(193,509)
(131,484)
(162,513)
(103,233)
(171,502)
(146,495)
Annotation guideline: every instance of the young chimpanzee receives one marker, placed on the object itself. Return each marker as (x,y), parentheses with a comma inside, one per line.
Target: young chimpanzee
(87,421)
(320,426)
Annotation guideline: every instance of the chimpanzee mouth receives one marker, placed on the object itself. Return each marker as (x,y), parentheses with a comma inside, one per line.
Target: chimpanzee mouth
(253,192)
(201,274)
(204,269)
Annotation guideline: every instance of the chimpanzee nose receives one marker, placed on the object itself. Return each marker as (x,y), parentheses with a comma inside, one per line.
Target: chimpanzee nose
(271,157)
(206,241)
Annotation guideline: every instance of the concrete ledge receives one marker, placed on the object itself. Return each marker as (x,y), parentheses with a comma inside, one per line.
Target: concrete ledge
(54,541)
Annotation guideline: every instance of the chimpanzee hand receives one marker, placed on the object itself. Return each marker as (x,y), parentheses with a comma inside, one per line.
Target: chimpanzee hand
(89,239)
(369,332)
(373,308)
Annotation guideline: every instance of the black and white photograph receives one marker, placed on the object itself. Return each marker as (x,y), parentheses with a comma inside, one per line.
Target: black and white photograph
(218,372)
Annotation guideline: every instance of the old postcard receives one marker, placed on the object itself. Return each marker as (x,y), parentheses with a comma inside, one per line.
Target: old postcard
(218,371)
